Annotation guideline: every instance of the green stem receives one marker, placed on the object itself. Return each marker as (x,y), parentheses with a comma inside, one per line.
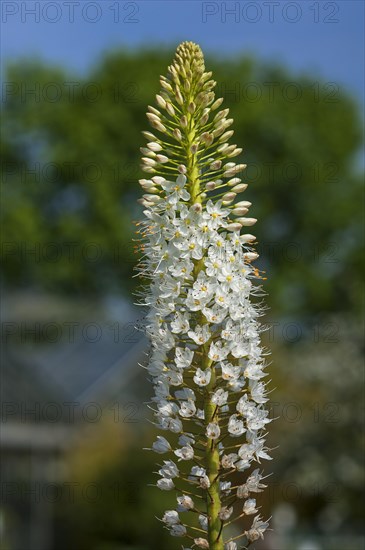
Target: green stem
(212,465)
(211,452)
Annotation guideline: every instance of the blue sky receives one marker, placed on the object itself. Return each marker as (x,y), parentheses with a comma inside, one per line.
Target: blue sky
(324,38)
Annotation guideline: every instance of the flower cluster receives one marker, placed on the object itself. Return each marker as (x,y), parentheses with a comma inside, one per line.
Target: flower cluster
(206,361)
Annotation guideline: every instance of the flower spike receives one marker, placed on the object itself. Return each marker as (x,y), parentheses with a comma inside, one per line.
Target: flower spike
(206,361)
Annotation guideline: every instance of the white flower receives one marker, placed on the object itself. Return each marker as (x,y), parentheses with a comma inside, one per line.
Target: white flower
(180,324)
(214,214)
(185,394)
(174,425)
(230,546)
(253,482)
(161,445)
(169,470)
(225,513)
(213,266)
(178,530)
(186,439)
(165,484)
(228,461)
(202,378)
(222,298)
(246,407)
(187,409)
(218,350)
(176,189)
(174,378)
(203,520)
(183,357)
(200,335)
(236,426)
(225,487)
(257,529)
(230,372)
(185,503)
(214,314)
(171,517)
(249,506)
(201,543)
(258,391)
(219,397)
(213,431)
(185,453)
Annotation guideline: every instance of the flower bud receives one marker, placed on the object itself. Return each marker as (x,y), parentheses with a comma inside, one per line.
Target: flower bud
(149,136)
(160,101)
(218,102)
(243,204)
(247,238)
(170,109)
(229,196)
(215,165)
(226,136)
(234,226)
(247,222)
(251,256)
(158,180)
(239,188)
(239,211)
(154,146)
(162,158)
(184,121)
(177,134)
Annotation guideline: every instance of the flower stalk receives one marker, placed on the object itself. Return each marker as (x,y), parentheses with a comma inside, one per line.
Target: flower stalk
(206,362)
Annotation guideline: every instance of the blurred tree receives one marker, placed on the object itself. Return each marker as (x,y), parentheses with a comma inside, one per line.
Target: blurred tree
(70,171)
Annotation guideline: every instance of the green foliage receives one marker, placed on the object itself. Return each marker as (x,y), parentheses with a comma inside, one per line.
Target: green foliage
(69,227)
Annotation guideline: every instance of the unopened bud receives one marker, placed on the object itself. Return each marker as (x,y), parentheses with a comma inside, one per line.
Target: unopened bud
(166,85)
(240,188)
(170,109)
(158,180)
(233,181)
(243,204)
(236,151)
(226,136)
(177,134)
(154,111)
(220,115)
(250,256)
(216,165)
(154,146)
(179,98)
(247,238)
(234,226)
(148,161)
(229,196)
(197,207)
(218,102)
(147,152)
(184,121)
(160,101)
(239,211)
(247,222)
(149,136)
(162,158)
